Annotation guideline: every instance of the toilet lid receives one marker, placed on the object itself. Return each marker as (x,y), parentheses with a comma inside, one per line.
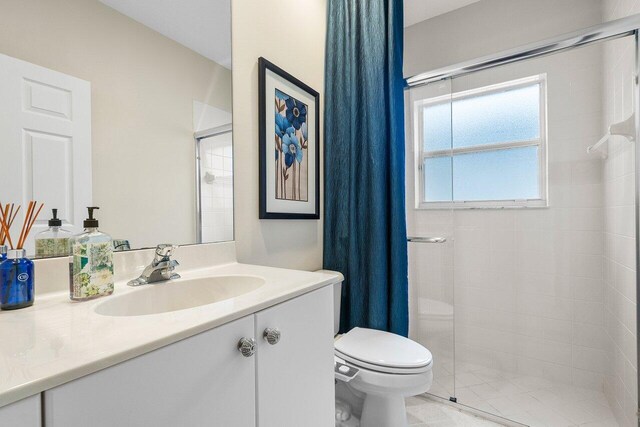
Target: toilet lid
(383,350)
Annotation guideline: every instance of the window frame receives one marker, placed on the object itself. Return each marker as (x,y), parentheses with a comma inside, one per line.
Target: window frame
(421,155)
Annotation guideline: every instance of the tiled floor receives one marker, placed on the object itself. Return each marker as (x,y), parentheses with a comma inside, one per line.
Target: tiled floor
(423,412)
(533,401)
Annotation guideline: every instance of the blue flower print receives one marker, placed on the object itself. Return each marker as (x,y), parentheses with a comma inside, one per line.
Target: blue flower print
(281,125)
(291,148)
(296,112)
(281,95)
(291,131)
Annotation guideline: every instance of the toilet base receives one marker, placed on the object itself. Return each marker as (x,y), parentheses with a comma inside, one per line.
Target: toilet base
(384,411)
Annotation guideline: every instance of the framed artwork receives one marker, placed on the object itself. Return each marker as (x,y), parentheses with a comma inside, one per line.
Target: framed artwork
(289,145)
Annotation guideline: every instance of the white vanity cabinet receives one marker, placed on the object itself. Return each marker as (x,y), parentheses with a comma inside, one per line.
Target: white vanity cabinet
(200,381)
(23,413)
(204,380)
(295,377)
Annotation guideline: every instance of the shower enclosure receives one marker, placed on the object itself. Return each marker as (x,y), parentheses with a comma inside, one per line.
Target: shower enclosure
(214,184)
(522,244)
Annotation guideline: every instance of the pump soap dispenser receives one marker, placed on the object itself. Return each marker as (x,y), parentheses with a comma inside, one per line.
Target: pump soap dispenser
(91,267)
(53,241)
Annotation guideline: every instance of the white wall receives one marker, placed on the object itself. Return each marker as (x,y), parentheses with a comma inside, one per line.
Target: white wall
(290,34)
(490,26)
(621,381)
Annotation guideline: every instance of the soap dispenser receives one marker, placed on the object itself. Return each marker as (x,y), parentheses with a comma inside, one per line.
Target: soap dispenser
(53,241)
(91,266)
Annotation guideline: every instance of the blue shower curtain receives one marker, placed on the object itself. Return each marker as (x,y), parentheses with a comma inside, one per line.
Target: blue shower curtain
(365,224)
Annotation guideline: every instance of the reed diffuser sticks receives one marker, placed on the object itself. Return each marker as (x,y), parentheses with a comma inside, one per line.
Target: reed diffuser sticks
(8,215)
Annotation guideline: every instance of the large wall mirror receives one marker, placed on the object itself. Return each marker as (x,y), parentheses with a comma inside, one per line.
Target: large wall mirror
(121,104)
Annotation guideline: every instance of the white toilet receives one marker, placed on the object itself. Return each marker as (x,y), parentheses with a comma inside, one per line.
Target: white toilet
(389,368)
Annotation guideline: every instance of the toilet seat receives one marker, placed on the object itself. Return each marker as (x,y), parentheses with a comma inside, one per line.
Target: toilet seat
(383,352)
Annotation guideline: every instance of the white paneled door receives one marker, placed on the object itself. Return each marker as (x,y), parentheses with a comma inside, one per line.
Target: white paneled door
(45,142)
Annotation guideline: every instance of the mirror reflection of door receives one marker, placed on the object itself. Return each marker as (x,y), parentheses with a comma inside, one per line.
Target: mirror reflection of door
(45,129)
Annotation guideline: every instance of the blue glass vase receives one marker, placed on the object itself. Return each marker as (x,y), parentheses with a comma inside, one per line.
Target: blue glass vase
(3,252)
(16,281)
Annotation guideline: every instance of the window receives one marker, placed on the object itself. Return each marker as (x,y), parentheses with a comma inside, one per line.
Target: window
(483,148)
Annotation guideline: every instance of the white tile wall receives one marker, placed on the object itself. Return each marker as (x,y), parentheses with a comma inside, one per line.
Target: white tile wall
(217,198)
(621,386)
(529,285)
(543,292)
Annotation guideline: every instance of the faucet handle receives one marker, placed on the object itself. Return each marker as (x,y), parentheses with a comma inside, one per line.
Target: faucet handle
(164,251)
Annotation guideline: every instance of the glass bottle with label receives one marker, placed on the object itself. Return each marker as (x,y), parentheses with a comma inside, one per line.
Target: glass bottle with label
(53,241)
(91,267)
(16,280)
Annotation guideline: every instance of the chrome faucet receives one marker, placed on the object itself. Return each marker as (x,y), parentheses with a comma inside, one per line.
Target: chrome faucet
(161,268)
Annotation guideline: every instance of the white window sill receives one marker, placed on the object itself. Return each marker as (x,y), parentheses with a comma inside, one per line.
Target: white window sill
(495,205)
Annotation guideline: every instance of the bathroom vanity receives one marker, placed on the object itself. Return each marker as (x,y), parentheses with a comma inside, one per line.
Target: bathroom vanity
(176,353)
(148,138)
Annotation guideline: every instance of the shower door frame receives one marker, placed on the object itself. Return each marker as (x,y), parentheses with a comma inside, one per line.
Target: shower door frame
(623,27)
(198,137)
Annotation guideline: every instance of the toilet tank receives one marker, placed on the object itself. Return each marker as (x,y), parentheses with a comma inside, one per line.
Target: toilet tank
(337,299)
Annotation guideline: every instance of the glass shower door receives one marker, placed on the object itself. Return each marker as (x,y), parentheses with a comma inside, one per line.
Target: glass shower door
(535,268)
(215,187)
(430,229)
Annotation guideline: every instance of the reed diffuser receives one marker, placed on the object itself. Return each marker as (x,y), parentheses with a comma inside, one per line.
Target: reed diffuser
(7,216)
(17,274)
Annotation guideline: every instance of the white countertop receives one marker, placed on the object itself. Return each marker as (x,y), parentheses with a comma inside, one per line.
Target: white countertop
(56,340)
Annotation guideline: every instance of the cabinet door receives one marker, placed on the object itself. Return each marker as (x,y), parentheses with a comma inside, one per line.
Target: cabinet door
(23,413)
(200,381)
(295,376)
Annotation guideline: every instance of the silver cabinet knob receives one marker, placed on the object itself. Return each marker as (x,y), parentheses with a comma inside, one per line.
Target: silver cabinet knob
(247,346)
(271,335)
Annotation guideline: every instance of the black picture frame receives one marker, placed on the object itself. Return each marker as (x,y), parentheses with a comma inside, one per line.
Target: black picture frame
(263,66)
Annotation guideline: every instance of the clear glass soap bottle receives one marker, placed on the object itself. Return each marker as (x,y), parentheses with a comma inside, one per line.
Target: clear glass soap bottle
(91,267)
(53,241)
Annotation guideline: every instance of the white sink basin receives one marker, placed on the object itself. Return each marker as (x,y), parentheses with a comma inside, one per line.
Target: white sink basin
(164,297)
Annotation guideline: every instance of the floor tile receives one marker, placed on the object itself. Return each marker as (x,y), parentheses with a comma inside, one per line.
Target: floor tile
(534,401)
(506,387)
(466,379)
(467,396)
(423,412)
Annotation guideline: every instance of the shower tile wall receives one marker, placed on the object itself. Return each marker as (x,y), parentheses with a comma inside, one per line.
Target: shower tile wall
(217,195)
(621,384)
(528,283)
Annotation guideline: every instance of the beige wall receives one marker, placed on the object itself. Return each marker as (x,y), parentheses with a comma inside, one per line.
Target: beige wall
(142,87)
(490,26)
(290,34)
